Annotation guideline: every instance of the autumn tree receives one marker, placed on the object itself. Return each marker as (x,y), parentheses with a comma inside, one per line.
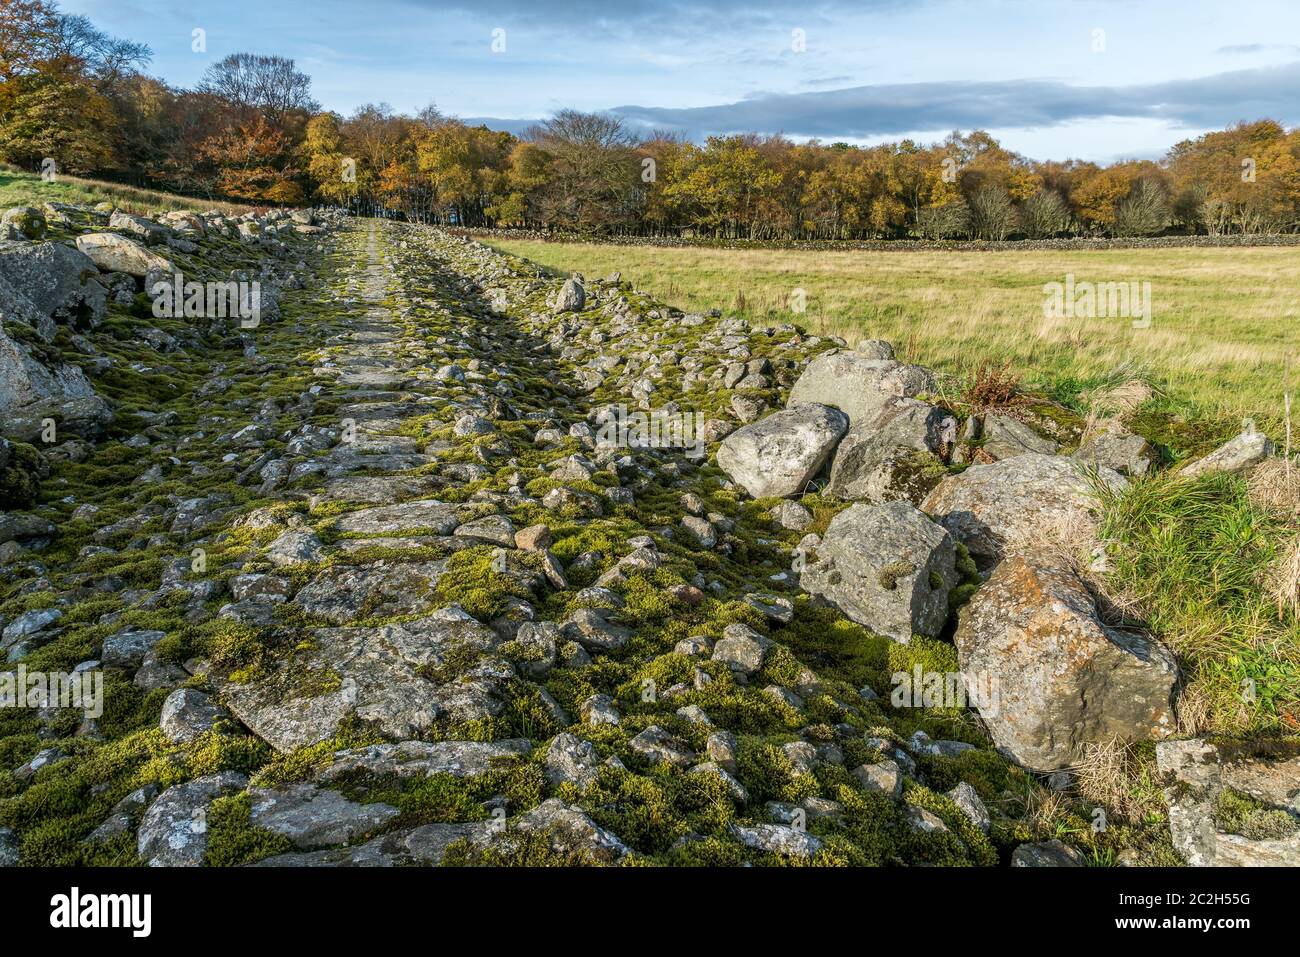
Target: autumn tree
(594,171)
(57,76)
(253,159)
(1144,211)
(330,171)
(269,86)
(1243,179)
(1044,215)
(727,181)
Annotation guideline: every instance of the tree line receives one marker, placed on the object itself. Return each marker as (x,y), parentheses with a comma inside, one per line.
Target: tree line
(250,131)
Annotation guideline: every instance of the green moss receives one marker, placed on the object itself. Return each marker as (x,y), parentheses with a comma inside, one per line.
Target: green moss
(706,852)
(20,476)
(889,575)
(233,840)
(473,581)
(1237,813)
(515,848)
(768,775)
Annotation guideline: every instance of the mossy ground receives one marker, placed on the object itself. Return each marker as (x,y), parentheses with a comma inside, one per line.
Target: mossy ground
(665,815)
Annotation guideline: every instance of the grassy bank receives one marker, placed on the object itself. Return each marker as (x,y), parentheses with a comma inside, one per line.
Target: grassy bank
(19,188)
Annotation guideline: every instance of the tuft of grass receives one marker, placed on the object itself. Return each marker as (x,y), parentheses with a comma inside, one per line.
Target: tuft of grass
(1192,557)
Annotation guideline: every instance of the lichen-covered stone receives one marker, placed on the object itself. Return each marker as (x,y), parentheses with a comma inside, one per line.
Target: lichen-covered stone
(1053,676)
(781,454)
(887,567)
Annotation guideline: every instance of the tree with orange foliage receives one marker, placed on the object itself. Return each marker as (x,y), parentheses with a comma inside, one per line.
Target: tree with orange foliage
(253,160)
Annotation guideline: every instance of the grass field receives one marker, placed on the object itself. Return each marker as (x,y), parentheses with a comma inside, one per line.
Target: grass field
(1223,321)
(20,188)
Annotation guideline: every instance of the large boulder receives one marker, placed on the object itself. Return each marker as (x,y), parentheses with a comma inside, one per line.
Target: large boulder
(151,233)
(781,454)
(1024,500)
(313,817)
(380,676)
(342,593)
(114,253)
(858,384)
(895,454)
(1049,675)
(16,307)
(571,296)
(33,390)
(57,280)
(887,567)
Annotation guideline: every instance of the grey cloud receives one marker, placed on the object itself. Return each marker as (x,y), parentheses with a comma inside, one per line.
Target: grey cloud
(899,108)
(894,109)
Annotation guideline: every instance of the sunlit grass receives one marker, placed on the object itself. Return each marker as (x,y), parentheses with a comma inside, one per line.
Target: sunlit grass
(18,188)
(1192,558)
(1223,320)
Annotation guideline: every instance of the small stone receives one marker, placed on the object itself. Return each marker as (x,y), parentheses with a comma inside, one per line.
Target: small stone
(722,749)
(570,760)
(295,546)
(1046,854)
(599,709)
(186,714)
(691,647)
(884,777)
(741,649)
(778,839)
(695,715)
(1234,456)
(792,516)
(968,802)
(174,831)
(494,529)
(774,607)
(534,538)
(923,821)
(736,789)
(127,649)
(658,746)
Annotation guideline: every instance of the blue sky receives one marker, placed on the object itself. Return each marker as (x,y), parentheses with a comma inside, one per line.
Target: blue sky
(1092,79)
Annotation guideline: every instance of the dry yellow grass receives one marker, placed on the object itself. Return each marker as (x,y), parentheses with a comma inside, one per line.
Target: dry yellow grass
(1222,320)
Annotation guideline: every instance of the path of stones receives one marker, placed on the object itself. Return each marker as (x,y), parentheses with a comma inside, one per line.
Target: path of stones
(442,621)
